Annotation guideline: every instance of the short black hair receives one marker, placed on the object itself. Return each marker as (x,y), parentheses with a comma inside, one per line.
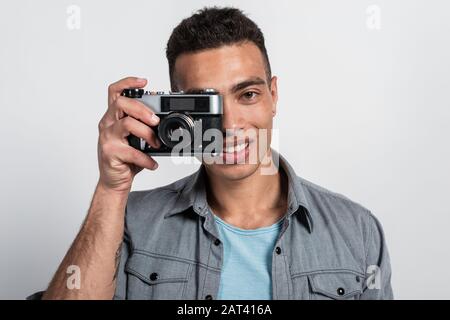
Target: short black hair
(210,28)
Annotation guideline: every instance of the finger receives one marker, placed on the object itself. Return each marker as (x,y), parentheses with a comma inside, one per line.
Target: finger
(135,109)
(123,106)
(128,125)
(130,155)
(115,89)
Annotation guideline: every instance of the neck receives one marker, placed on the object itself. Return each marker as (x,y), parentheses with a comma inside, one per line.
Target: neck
(252,202)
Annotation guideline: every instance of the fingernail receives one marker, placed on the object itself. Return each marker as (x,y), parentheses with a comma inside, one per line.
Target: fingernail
(155,118)
(141,80)
(155,166)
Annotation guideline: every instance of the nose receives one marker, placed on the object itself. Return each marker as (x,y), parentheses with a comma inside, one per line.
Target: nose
(232,117)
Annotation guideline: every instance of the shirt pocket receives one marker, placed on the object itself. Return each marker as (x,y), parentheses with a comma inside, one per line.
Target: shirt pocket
(151,276)
(341,285)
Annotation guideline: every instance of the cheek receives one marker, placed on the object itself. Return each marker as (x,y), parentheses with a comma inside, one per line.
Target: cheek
(259,116)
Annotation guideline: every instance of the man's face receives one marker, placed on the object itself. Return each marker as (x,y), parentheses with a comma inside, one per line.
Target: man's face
(238,73)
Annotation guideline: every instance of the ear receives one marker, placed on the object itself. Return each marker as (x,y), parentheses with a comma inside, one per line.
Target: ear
(274,94)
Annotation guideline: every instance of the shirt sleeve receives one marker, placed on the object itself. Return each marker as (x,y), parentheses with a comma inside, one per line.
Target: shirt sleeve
(36,296)
(378,267)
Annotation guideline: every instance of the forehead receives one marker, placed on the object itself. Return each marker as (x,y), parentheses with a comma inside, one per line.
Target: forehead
(219,68)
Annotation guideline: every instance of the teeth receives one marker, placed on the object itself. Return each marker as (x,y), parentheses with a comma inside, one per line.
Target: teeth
(236,148)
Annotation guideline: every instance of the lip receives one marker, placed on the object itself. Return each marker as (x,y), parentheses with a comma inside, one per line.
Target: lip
(237,157)
(234,142)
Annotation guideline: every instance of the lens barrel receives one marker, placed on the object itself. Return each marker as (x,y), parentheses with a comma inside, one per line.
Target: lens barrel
(172,122)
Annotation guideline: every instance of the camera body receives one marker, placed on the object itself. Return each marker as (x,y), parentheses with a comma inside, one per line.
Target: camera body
(184,120)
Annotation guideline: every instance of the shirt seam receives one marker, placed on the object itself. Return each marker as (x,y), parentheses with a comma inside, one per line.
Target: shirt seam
(184,260)
(275,230)
(188,276)
(332,194)
(288,279)
(272,228)
(206,273)
(322,271)
(276,285)
(366,247)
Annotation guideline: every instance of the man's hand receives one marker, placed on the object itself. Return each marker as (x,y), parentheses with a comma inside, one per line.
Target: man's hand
(97,248)
(118,162)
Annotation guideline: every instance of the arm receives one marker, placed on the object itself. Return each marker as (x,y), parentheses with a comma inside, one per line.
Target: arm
(378,265)
(96,250)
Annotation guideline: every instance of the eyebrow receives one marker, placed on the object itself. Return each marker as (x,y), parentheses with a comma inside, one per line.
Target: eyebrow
(247,83)
(238,86)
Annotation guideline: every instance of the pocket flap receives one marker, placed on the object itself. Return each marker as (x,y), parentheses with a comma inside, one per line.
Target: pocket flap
(336,285)
(154,269)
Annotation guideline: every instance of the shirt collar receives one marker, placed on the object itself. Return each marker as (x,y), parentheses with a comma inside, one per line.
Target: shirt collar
(193,194)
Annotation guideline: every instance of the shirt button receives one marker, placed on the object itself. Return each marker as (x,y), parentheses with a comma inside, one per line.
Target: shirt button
(208,297)
(278,250)
(340,291)
(154,276)
(217,242)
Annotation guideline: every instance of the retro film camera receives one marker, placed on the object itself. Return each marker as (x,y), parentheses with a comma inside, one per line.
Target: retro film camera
(184,122)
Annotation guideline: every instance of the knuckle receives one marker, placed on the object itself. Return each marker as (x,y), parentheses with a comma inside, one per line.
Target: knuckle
(102,124)
(110,161)
(101,138)
(105,135)
(106,149)
(111,87)
(127,123)
(118,102)
(121,104)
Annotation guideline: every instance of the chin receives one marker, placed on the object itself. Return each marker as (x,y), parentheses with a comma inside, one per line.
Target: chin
(232,171)
(239,165)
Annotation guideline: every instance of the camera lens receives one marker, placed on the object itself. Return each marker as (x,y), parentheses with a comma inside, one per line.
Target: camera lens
(167,129)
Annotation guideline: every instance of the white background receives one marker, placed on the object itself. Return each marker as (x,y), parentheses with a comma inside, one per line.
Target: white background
(362,112)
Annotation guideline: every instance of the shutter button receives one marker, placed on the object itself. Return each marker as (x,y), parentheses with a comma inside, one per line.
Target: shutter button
(340,291)
(154,276)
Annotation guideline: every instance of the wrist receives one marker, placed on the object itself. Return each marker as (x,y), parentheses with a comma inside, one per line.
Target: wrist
(106,190)
(108,205)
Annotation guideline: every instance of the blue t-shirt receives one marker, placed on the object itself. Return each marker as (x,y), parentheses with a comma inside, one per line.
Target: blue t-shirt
(247,261)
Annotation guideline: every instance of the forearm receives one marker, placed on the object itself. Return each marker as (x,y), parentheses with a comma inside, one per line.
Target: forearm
(95,251)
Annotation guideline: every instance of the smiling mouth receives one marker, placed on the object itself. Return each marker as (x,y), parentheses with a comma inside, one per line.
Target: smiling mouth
(236,152)
(235,148)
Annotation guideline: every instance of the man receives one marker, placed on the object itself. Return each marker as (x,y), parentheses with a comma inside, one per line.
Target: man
(229,231)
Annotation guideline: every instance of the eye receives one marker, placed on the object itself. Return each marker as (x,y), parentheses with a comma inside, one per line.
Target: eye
(250,95)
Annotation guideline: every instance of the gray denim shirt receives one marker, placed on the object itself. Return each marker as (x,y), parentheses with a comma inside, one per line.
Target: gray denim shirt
(329,247)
